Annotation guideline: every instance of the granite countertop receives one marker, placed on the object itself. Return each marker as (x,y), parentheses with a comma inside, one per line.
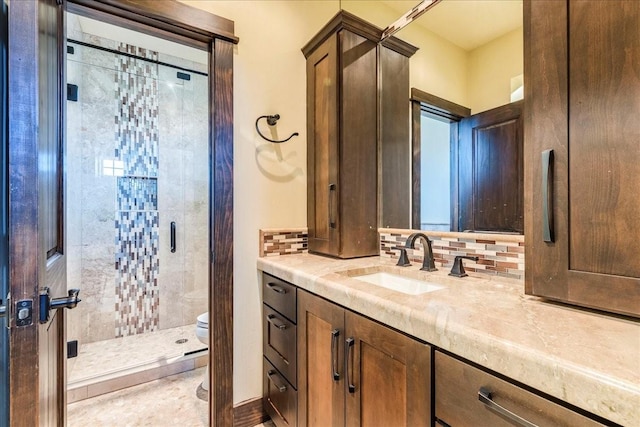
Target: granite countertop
(585,358)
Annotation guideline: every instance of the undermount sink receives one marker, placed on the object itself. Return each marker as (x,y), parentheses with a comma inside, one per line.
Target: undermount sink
(398,283)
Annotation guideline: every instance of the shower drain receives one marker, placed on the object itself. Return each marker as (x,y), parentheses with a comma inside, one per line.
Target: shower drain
(181,341)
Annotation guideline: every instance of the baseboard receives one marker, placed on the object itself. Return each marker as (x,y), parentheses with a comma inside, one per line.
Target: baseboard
(249,413)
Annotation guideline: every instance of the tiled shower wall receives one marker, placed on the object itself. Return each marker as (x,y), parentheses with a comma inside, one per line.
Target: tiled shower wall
(137,159)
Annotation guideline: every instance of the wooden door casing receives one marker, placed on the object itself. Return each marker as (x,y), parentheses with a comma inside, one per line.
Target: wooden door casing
(177,22)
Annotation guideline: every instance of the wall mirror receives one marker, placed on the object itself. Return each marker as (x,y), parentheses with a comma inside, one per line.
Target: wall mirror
(465,78)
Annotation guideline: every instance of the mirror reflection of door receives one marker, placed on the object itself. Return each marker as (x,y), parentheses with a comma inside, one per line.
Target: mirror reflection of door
(467,169)
(469,62)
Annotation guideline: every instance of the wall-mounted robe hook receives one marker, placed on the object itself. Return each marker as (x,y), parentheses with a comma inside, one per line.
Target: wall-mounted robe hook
(271,121)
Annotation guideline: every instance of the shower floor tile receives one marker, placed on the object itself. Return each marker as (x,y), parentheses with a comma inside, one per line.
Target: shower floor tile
(107,358)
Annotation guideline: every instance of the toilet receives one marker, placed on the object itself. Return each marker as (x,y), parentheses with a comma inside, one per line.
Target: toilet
(202,332)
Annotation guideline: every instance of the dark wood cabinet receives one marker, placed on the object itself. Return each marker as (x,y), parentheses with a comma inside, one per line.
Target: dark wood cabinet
(321,371)
(345,85)
(582,102)
(279,333)
(458,400)
(356,372)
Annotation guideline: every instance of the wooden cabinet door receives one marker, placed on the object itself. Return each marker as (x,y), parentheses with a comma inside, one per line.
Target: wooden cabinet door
(457,387)
(491,173)
(583,102)
(388,376)
(321,374)
(322,147)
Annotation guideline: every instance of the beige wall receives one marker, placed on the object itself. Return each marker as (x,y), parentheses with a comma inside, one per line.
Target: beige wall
(491,68)
(439,67)
(270,180)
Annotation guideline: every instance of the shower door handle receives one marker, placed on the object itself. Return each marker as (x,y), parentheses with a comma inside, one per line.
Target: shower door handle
(173,236)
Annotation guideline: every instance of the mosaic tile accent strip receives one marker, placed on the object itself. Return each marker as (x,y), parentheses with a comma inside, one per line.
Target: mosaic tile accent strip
(137,219)
(275,242)
(500,255)
(136,117)
(137,264)
(137,194)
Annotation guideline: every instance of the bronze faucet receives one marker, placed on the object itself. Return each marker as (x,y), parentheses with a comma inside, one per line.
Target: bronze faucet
(428,263)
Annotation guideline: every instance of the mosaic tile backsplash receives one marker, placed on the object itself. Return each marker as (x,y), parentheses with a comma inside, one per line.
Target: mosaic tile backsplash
(274,242)
(499,254)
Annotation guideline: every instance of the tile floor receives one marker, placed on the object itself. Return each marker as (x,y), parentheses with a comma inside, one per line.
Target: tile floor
(101,359)
(167,402)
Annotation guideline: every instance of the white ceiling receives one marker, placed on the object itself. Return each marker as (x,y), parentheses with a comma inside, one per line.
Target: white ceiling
(466,23)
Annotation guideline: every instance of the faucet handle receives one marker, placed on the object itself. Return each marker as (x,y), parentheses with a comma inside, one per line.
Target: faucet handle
(458,268)
(403,261)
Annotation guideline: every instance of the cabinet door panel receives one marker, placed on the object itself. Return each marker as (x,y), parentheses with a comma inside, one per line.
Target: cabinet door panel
(322,147)
(583,100)
(391,375)
(320,355)
(457,403)
(604,137)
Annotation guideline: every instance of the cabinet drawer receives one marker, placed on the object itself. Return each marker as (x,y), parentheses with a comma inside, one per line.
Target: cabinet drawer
(280,398)
(280,296)
(279,342)
(457,400)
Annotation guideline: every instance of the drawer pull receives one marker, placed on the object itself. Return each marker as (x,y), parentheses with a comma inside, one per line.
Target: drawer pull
(349,361)
(335,334)
(276,288)
(281,387)
(280,326)
(484,396)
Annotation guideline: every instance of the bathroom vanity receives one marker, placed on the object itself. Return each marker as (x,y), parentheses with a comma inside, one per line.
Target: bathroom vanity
(462,353)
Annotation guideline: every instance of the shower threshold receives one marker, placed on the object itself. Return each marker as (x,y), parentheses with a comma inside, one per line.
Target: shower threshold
(106,366)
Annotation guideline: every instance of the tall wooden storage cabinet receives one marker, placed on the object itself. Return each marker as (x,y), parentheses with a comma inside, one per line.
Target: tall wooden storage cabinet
(582,151)
(349,76)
